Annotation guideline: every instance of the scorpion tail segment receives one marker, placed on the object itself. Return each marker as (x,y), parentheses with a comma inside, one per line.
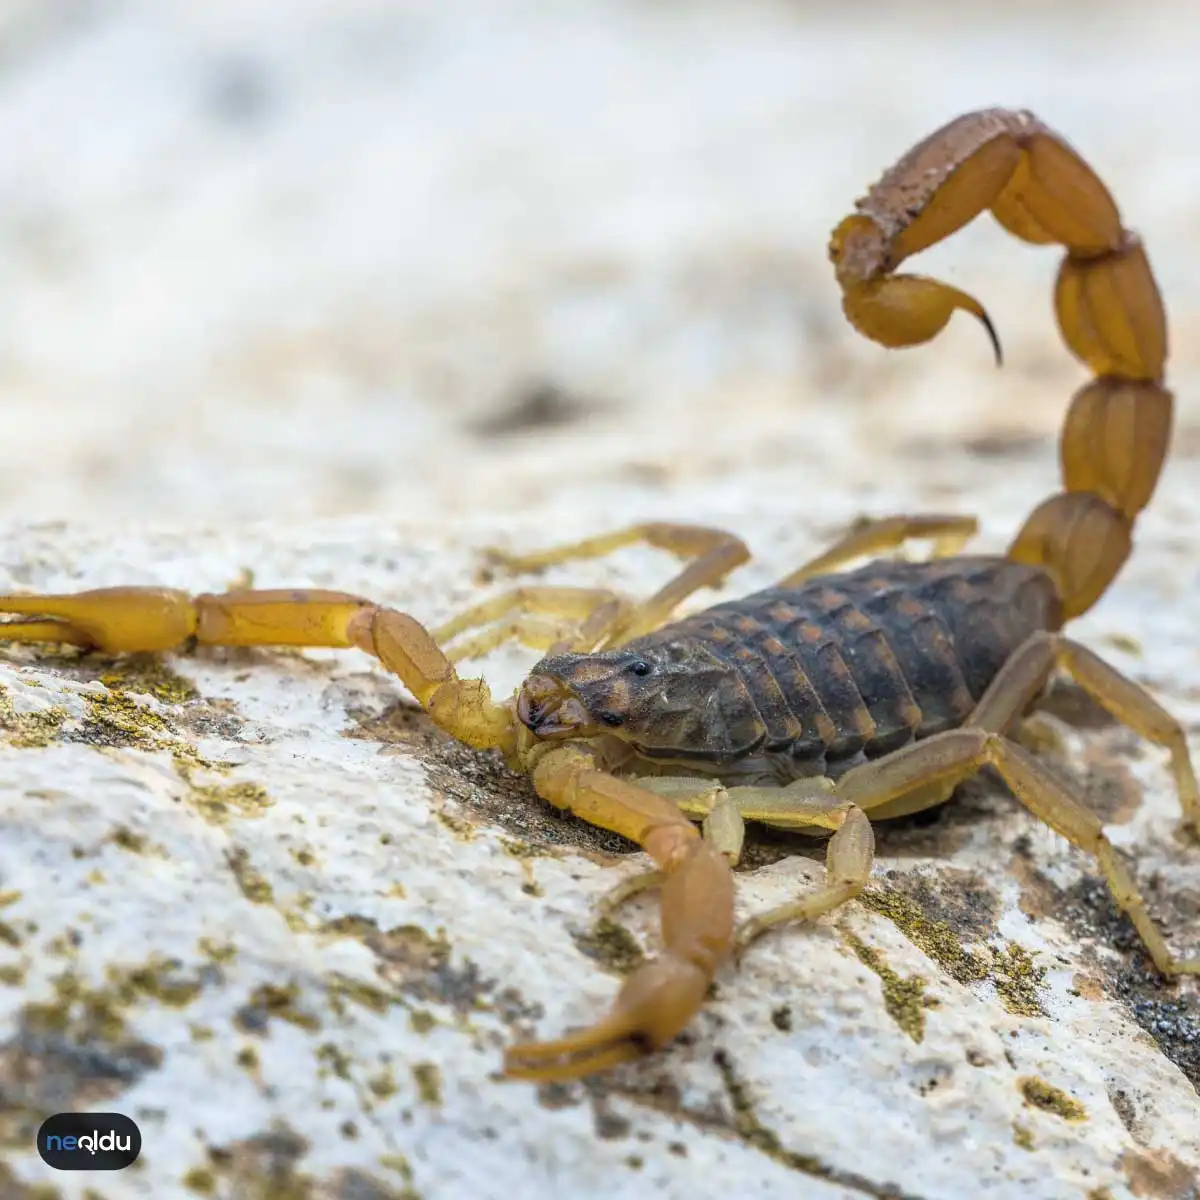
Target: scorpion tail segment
(1117,430)
(1110,312)
(1081,541)
(1115,440)
(1106,302)
(1113,445)
(660,998)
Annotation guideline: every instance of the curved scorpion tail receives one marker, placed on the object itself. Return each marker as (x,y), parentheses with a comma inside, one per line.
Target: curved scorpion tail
(1106,301)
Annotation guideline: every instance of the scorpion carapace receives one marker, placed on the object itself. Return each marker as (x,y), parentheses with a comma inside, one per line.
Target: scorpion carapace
(831,696)
(811,679)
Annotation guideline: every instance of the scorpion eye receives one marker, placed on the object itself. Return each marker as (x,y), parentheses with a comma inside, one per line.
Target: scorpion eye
(611,718)
(640,668)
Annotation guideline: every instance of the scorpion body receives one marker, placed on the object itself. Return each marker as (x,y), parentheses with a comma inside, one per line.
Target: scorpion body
(814,679)
(832,698)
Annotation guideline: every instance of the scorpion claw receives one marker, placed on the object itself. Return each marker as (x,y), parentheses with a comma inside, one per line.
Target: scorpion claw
(570,1057)
(654,1004)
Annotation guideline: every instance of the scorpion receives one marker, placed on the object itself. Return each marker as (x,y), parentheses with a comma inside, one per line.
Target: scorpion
(837,696)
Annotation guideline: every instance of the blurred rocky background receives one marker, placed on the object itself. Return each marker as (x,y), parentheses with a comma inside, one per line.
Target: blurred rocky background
(266,259)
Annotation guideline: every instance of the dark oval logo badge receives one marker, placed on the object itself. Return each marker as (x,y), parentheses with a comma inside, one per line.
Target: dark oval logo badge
(89,1141)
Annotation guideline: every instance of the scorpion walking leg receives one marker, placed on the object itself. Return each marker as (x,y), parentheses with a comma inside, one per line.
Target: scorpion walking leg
(949,534)
(554,619)
(947,758)
(806,805)
(847,870)
(714,553)
(658,999)
(1026,673)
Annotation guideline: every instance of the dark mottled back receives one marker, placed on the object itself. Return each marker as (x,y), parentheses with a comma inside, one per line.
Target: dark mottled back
(857,664)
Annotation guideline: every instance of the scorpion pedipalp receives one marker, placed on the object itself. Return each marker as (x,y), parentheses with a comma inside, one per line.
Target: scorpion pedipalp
(663,995)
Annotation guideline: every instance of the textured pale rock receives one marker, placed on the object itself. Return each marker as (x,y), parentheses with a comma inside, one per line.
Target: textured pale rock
(309,961)
(295,261)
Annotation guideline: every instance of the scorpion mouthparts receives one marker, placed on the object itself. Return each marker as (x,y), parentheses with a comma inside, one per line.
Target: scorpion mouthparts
(547,707)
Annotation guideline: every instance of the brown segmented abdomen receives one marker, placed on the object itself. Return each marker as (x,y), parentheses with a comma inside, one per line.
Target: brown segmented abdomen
(863,662)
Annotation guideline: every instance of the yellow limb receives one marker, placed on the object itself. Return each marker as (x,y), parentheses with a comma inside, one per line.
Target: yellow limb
(659,998)
(116,620)
(848,862)
(126,619)
(555,619)
(877,536)
(713,554)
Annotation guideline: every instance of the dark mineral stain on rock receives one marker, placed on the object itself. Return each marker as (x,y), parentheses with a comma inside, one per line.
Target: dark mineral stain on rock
(1159,1175)
(1168,1012)
(421,967)
(479,786)
(611,944)
(72,1053)
(537,406)
(269,1002)
(267,1166)
(12,1188)
(960,898)
(1045,1096)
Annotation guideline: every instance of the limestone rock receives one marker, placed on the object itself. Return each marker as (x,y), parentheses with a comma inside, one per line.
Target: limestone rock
(255,901)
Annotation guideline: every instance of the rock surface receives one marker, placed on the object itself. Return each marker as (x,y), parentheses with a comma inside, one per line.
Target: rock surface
(252,898)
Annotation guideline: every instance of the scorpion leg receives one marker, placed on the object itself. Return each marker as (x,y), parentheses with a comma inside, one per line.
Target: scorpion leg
(946,759)
(807,805)
(543,618)
(119,620)
(658,999)
(847,870)
(1026,673)
(876,536)
(713,554)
